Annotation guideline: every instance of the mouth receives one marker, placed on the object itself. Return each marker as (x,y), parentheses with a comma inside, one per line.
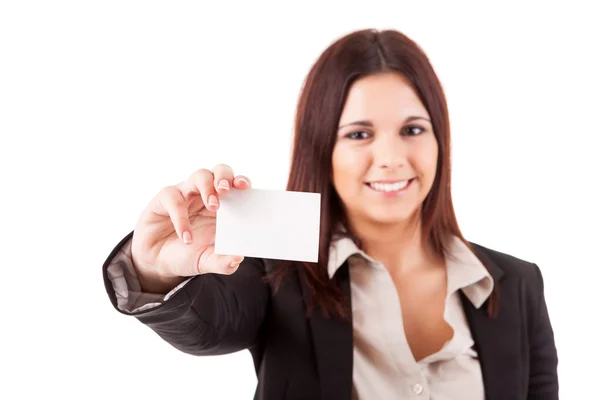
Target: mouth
(390,188)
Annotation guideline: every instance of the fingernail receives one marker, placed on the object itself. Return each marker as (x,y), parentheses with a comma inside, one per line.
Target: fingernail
(242,179)
(234,265)
(212,201)
(224,184)
(187,238)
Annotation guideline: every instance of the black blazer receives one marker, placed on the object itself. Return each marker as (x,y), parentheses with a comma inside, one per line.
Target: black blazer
(311,358)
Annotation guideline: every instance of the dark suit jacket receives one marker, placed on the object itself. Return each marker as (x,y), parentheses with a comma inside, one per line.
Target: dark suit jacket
(311,358)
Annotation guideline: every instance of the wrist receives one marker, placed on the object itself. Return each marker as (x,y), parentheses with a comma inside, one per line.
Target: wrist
(153,281)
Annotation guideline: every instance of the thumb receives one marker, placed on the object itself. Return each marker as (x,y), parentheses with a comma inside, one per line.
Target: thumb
(220,263)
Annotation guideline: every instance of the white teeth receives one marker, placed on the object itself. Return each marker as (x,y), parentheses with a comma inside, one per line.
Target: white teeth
(388,187)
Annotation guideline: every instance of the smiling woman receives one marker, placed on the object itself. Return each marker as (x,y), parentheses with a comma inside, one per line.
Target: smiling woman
(399,304)
(373,112)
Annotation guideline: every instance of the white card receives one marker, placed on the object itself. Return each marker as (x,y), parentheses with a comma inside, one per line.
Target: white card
(274,224)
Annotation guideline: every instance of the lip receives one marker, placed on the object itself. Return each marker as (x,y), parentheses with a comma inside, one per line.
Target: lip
(395,193)
(389,180)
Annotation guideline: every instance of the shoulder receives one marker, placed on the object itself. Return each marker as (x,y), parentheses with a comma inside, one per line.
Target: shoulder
(509,266)
(518,280)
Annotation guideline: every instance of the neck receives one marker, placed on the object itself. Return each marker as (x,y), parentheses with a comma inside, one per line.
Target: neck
(399,246)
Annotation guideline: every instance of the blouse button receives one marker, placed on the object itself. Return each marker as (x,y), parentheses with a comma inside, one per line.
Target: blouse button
(417,388)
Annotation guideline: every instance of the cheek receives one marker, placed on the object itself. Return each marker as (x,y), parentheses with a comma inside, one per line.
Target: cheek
(430,165)
(348,169)
(428,158)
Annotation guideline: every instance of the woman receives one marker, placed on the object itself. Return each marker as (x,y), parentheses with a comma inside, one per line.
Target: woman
(399,305)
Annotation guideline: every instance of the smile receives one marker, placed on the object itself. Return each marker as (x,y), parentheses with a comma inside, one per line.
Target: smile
(390,188)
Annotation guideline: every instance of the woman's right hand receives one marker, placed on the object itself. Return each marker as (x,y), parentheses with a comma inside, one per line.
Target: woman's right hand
(174,236)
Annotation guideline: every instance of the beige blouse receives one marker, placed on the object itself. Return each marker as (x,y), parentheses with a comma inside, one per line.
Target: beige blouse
(384,367)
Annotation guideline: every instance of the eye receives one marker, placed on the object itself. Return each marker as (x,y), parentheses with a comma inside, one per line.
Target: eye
(359,135)
(413,130)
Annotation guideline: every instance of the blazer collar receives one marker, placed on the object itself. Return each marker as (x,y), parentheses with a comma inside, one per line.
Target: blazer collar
(333,340)
(490,334)
(465,269)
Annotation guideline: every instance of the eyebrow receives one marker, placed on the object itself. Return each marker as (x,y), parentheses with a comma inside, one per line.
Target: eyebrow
(369,124)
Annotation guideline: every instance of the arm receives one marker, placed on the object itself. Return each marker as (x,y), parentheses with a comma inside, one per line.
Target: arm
(543,377)
(205,315)
(123,284)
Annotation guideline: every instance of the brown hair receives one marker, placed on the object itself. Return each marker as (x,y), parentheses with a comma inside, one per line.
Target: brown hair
(320,105)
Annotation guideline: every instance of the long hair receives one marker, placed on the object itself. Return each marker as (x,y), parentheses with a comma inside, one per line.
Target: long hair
(320,105)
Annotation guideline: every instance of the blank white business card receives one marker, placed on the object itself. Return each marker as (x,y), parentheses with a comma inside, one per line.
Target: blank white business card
(274,224)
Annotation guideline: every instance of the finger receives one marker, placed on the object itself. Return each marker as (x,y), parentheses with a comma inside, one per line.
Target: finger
(229,264)
(218,263)
(223,178)
(175,204)
(242,182)
(201,182)
(189,186)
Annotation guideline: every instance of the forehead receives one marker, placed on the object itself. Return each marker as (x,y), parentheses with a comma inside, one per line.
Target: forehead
(381,96)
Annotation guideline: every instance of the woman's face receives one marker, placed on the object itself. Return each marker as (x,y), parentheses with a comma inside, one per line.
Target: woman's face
(385,156)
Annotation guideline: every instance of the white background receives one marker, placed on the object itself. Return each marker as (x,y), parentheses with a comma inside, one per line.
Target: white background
(102,103)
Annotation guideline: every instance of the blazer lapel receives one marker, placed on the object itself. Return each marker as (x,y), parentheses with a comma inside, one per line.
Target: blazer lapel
(490,335)
(333,346)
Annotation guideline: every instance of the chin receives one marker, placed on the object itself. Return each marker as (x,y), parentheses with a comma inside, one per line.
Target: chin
(390,218)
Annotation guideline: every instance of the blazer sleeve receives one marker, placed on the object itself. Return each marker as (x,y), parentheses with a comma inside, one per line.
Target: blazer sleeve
(210,314)
(543,377)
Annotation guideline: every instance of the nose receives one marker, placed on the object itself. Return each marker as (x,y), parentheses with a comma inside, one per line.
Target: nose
(389,151)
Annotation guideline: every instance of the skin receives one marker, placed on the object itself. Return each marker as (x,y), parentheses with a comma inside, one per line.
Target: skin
(396,143)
